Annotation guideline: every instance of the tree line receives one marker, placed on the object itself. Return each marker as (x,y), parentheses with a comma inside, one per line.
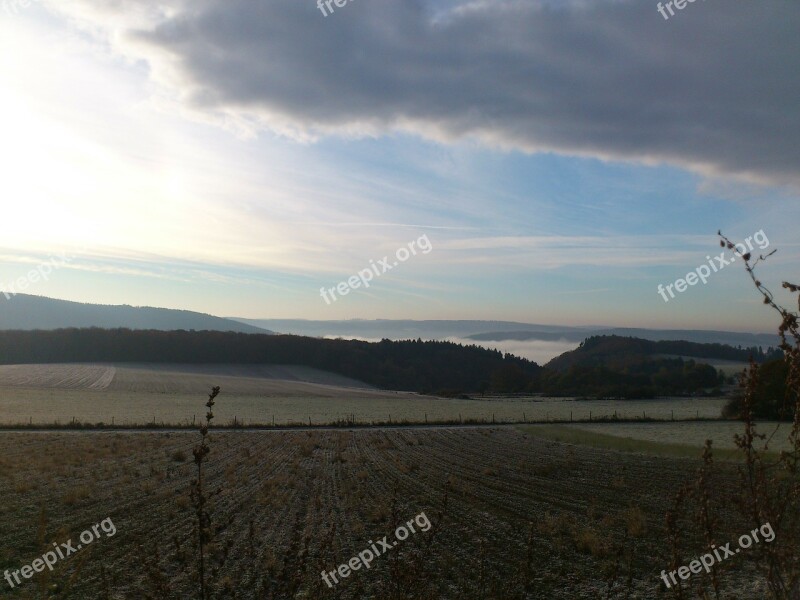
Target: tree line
(618,352)
(430,367)
(412,365)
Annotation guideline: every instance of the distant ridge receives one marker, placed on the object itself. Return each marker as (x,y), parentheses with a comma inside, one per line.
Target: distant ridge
(498,331)
(700,336)
(27,312)
(389,328)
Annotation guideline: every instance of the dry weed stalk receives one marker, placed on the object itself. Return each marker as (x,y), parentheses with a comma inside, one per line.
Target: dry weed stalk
(200,498)
(769,489)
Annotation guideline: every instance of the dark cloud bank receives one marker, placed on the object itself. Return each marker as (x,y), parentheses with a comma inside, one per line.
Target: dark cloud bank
(715,89)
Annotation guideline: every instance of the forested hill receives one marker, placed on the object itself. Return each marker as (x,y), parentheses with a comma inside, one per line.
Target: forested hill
(406,365)
(617,352)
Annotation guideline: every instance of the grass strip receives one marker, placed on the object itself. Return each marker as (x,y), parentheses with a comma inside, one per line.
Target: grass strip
(582,437)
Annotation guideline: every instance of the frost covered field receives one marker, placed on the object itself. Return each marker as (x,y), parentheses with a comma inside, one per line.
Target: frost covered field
(690,434)
(140,394)
(513,516)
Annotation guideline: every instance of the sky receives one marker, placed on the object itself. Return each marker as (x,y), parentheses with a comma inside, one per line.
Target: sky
(552,161)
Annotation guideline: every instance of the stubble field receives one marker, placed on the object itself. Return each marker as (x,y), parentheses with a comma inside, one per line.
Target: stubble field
(513,516)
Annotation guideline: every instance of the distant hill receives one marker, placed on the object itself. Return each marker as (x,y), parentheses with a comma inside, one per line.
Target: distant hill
(392,329)
(497,331)
(625,367)
(25,312)
(700,336)
(617,352)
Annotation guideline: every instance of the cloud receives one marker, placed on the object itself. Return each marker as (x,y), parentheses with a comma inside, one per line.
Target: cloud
(539,351)
(713,90)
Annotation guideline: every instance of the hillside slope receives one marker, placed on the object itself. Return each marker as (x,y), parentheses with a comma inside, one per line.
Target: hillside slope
(409,365)
(618,352)
(23,311)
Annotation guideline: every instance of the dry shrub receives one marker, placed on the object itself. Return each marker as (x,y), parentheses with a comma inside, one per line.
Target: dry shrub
(589,541)
(22,486)
(75,495)
(636,522)
(545,470)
